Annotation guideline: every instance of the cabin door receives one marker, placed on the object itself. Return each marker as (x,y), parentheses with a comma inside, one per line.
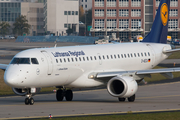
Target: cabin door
(49,62)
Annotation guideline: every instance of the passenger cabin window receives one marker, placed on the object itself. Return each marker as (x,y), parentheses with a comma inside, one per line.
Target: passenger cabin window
(76,59)
(103,57)
(94,57)
(145,54)
(68,60)
(87,59)
(115,56)
(72,59)
(56,60)
(83,58)
(99,57)
(20,61)
(148,53)
(125,55)
(60,60)
(79,59)
(107,57)
(64,60)
(122,55)
(131,55)
(35,61)
(111,57)
(142,54)
(91,58)
(118,56)
(138,55)
(128,55)
(134,54)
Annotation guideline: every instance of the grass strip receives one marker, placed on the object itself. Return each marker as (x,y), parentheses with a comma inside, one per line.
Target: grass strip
(175,55)
(128,116)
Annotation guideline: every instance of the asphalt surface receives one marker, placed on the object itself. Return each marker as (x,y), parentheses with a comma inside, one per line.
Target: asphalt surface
(149,98)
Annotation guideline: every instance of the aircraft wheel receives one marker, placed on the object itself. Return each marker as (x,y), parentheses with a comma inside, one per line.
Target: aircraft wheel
(59,95)
(31,101)
(69,95)
(132,98)
(122,99)
(26,101)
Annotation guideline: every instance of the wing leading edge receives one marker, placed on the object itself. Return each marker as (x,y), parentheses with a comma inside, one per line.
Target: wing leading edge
(3,66)
(166,72)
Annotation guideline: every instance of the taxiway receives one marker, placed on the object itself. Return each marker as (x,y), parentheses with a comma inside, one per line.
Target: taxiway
(149,98)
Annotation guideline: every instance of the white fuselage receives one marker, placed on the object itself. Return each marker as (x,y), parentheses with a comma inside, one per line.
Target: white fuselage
(70,66)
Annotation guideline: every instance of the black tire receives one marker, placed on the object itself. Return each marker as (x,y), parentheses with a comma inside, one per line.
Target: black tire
(31,101)
(121,99)
(69,95)
(26,101)
(132,98)
(59,95)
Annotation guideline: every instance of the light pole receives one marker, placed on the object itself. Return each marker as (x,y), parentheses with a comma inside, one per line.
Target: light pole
(28,17)
(85,21)
(106,18)
(32,30)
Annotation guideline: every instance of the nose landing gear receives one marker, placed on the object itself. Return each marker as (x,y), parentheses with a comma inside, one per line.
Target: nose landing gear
(29,101)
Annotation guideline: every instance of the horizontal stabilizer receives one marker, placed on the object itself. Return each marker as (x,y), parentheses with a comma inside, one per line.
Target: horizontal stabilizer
(171,51)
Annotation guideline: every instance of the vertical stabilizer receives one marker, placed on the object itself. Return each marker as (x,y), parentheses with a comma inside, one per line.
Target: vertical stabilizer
(159,31)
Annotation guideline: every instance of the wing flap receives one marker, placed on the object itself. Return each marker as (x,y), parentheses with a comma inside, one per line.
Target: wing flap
(3,66)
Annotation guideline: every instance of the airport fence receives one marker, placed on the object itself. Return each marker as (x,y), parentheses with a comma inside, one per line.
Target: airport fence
(79,39)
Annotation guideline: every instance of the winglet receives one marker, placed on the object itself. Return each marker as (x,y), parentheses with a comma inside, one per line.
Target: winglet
(159,31)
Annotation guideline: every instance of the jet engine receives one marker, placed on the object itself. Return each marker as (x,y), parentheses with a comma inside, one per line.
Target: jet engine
(23,92)
(122,87)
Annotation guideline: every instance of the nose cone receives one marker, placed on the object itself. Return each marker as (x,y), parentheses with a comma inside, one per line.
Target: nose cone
(10,78)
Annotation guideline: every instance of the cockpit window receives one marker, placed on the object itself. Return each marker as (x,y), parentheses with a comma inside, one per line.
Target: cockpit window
(20,61)
(34,61)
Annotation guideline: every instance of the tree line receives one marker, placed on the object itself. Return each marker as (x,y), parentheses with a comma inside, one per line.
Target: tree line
(20,26)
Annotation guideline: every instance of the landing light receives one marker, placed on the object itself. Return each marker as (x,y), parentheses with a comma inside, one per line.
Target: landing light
(92,76)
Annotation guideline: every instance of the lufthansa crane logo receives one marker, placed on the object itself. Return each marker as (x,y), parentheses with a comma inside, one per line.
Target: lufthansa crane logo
(164,14)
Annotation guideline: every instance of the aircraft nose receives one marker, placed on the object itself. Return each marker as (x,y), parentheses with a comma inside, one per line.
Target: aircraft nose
(9,78)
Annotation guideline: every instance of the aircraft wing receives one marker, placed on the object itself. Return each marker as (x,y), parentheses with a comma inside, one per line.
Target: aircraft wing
(3,66)
(166,72)
(151,71)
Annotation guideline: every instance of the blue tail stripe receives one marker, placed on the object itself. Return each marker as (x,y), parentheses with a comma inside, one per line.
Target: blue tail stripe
(159,32)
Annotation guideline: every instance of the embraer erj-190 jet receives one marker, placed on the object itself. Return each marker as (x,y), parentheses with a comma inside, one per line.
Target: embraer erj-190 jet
(119,67)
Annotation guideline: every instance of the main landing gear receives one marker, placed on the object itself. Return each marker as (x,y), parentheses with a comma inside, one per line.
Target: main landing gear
(60,94)
(130,99)
(29,100)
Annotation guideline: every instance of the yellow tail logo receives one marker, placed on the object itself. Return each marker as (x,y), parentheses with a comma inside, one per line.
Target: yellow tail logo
(164,14)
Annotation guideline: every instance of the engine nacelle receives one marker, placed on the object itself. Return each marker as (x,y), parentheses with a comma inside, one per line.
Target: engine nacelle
(23,92)
(122,87)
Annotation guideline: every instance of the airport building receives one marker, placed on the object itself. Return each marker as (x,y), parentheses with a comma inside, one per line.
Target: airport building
(128,18)
(32,9)
(61,15)
(86,4)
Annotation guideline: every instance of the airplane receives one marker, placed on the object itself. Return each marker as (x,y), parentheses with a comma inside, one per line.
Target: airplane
(119,67)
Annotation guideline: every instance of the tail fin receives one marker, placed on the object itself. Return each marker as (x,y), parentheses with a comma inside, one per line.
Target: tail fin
(159,31)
